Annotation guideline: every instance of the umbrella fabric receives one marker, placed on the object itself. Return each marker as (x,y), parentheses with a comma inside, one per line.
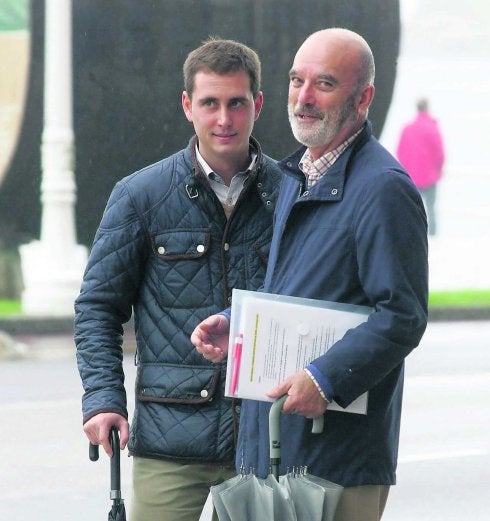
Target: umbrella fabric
(333,491)
(284,508)
(297,496)
(312,497)
(247,499)
(319,497)
(118,511)
(217,490)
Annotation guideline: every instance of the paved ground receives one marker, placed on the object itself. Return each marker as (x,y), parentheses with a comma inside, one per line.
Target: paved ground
(444,464)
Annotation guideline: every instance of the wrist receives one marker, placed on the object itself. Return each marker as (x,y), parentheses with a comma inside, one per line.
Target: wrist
(317,385)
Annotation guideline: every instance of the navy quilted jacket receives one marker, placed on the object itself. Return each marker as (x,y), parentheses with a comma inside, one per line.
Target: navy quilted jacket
(166,252)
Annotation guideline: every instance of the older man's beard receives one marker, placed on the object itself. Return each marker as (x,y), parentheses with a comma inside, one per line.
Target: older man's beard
(325,129)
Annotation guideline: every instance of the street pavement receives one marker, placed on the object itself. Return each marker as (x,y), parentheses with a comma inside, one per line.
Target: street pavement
(444,466)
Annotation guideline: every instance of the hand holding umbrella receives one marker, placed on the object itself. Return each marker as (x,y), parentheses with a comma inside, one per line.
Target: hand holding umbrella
(118,510)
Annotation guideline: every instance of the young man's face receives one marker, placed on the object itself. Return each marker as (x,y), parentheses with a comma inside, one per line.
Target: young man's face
(223,112)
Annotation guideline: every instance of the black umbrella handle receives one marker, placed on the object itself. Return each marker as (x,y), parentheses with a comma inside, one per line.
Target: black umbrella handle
(115,464)
(93,451)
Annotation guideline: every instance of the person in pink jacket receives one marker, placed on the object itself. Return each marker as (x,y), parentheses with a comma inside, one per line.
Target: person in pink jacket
(421,151)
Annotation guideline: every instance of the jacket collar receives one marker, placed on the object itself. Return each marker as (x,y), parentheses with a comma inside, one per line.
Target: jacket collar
(330,186)
(265,181)
(190,154)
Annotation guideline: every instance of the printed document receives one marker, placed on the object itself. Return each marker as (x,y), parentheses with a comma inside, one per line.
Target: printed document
(274,336)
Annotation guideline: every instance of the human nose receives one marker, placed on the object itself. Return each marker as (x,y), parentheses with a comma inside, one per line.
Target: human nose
(224,116)
(305,94)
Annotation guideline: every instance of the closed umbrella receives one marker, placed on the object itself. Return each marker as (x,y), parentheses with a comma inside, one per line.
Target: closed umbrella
(118,510)
(296,496)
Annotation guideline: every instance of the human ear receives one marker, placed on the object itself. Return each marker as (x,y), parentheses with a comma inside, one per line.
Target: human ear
(258,102)
(187,106)
(365,99)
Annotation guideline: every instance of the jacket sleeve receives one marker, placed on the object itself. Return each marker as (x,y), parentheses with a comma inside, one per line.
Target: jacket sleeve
(390,232)
(105,302)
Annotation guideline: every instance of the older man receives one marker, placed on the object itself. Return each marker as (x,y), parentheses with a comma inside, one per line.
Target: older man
(349,227)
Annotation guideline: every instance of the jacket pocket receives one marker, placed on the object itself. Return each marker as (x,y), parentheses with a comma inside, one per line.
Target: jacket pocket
(181,264)
(179,384)
(181,244)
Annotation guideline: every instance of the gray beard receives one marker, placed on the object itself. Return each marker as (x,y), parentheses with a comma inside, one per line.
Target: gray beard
(324,130)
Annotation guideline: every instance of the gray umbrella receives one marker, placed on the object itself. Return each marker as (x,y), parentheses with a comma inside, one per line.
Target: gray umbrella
(297,496)
(118,510)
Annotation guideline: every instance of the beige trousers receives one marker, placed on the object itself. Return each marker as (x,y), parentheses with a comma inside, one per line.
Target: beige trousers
(363,503)
(169,491)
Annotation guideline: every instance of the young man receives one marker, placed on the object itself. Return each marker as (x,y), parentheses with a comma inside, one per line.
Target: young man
(349,227)
(174,240)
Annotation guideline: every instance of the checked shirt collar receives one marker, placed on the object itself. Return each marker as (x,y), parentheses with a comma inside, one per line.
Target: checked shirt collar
(315,170)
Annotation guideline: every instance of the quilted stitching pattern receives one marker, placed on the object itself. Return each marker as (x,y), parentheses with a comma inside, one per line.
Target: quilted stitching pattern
(163,253)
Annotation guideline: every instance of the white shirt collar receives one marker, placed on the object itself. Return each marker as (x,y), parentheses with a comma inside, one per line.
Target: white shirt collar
(208,170)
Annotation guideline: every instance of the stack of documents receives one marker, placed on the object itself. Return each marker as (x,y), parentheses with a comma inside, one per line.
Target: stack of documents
(274,336)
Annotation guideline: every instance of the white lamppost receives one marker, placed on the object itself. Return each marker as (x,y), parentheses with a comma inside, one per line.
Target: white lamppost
(52,267)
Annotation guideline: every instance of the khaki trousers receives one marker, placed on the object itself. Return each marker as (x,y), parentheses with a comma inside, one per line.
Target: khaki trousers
(363,503)
(169,491)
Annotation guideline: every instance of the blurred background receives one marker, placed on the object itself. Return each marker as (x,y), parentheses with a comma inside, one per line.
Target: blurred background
(127,82)
(127,60)
(127,85)
(444,56)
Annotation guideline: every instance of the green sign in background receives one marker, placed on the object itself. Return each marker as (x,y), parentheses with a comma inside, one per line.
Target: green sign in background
(14,15)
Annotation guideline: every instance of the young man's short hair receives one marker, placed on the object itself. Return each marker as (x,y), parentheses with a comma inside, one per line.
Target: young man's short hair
(222,57)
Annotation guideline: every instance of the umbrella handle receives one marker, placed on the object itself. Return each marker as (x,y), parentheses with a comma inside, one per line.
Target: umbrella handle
(115,464)
(93,451)
(275,431)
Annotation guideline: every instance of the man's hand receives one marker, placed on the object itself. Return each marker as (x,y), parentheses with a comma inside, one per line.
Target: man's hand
(98,427)
(211,338)
(303,396)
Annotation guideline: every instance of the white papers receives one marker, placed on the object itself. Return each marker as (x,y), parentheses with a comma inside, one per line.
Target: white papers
(282,335)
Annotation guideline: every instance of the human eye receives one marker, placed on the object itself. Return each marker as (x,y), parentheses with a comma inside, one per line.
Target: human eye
(236,103)
(295,81)
(208,102)
(326,83)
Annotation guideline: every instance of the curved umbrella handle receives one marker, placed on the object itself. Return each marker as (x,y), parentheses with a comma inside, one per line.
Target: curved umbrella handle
(93,450)
(275,433)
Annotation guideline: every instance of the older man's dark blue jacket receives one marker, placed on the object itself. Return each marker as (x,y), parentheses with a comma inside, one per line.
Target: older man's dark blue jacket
(358,236)
(166,250)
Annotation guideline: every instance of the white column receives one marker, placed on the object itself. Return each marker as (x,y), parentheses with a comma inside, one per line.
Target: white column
(52,267)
